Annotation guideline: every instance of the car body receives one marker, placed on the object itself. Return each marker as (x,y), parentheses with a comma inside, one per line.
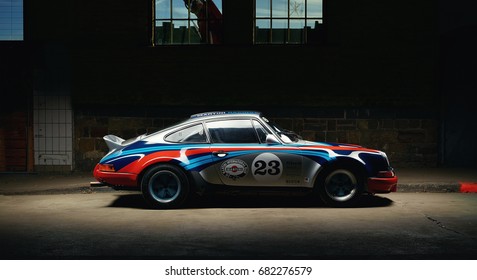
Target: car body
(240,150)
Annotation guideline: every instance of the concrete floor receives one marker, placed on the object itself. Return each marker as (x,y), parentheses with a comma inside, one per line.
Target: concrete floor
(120,226)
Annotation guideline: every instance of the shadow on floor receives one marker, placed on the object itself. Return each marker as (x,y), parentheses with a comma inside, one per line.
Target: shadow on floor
(249,201)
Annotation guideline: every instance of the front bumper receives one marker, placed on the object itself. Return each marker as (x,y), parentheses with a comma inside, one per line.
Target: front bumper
(382,185)
(115,178)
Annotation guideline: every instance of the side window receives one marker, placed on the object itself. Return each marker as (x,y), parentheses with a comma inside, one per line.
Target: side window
(261,132)
(192,134)
(232,131)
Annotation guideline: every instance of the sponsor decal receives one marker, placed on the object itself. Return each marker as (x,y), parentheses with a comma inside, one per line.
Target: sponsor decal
(234,169)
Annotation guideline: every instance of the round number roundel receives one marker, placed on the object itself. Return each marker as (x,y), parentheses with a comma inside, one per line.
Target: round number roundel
(267,167)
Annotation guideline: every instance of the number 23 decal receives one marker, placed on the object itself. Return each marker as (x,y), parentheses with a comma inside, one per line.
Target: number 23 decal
(267,167)
(273,167)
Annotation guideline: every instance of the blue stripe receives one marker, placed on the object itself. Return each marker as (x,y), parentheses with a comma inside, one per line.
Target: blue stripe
(200,161)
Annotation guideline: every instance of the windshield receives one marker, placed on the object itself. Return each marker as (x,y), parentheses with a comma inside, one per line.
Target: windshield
(287,136)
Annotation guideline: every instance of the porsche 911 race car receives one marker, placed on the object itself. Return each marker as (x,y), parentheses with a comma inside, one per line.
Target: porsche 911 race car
(242,151)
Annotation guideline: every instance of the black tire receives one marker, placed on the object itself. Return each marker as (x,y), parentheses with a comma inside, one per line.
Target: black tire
(340,187)
(165,186)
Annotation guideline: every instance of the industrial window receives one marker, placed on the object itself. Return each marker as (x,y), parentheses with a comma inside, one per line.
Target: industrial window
(288,21)
(11,20)
(184,22)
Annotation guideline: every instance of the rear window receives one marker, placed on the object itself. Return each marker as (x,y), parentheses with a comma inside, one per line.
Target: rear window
(191,134)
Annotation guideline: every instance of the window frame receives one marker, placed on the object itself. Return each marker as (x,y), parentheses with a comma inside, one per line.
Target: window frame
(191,28)
(306,31)
(12,23)
(310,31)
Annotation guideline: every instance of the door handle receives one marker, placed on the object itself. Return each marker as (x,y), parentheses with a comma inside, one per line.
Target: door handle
(219,153)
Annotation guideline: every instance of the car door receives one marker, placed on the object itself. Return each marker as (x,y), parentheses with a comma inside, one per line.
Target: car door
(243,158)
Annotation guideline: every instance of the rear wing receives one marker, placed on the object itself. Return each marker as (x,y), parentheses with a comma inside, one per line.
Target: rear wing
(113,141)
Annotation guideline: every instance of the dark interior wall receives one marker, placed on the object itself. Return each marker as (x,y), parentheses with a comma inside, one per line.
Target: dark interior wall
(375,55)
(15,77)
(374,80)
(387,52)
(458,82)
(15,107)
(88,22)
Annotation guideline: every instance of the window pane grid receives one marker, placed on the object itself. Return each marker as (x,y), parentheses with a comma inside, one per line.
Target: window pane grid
(287,21)
(187,22)
(11,20)
(276,22)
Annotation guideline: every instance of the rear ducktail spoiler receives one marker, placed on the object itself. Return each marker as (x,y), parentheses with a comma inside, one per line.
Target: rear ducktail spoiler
(113,141)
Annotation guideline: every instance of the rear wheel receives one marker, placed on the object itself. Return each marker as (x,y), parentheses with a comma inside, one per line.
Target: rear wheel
(165,186)
(340,187)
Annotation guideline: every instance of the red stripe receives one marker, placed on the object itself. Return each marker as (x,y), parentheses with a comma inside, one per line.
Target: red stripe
(468,187)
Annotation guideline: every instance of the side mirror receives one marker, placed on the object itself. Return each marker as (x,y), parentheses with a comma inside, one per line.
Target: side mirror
(271,139)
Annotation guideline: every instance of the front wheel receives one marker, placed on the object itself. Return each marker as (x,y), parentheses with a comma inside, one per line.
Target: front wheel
(165,187)
(340,188)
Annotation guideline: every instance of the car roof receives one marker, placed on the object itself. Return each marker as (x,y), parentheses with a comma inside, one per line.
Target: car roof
(210,116)
(204,116)
(221,114)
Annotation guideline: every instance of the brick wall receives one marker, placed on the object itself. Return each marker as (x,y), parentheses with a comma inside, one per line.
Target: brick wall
(89,131)
(407,141)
